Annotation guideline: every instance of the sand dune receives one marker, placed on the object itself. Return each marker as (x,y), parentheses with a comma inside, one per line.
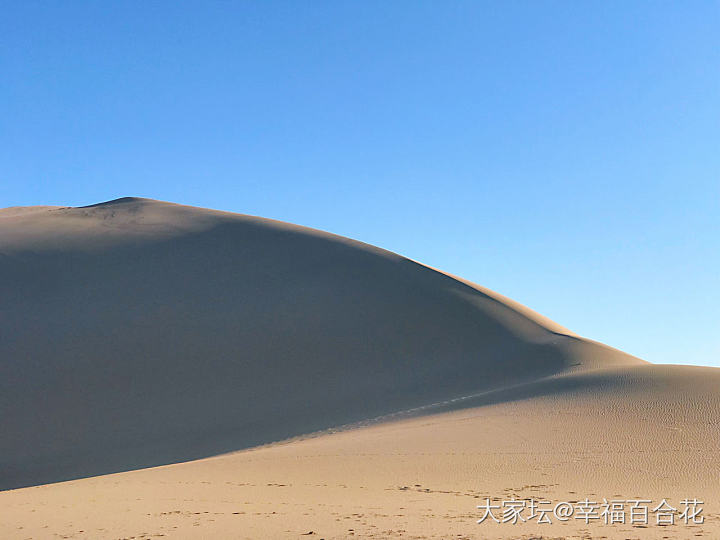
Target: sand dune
(138,333)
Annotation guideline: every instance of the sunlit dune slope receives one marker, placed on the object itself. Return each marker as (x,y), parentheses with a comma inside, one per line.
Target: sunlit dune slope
(624,432)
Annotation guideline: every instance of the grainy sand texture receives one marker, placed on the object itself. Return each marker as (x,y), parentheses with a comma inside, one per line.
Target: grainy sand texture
(175,372)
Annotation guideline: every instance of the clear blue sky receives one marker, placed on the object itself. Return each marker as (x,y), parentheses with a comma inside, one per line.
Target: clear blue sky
(566,154)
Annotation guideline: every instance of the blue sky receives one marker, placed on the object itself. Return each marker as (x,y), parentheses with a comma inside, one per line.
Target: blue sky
(566,154)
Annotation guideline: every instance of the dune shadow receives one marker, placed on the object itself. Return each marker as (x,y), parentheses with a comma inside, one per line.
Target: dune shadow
(176,348)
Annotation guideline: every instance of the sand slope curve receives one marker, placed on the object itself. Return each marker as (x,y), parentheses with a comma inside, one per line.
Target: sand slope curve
(138,333)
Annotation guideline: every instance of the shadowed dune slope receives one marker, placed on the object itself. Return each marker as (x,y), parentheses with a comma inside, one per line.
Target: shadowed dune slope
(135,333)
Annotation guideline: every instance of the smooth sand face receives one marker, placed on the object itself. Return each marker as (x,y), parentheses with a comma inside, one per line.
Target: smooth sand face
(140,333)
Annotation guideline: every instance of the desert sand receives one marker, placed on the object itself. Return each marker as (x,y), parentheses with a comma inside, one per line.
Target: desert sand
(170,371)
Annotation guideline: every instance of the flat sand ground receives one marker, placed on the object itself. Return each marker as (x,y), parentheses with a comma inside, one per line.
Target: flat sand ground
(500,403)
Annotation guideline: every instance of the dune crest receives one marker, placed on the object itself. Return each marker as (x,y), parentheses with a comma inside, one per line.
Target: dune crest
(139,333)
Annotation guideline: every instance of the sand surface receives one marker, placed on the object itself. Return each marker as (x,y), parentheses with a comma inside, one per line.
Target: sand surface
(214,357)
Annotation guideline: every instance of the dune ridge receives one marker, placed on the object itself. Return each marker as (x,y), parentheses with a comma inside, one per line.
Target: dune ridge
(139,333)
(248,378)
